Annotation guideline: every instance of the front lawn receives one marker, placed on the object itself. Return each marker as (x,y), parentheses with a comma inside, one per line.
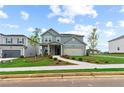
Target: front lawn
(30,62)
(99,59)
(64,71)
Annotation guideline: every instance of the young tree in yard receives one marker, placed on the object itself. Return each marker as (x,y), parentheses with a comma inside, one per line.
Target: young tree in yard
(35,39)
(92,39)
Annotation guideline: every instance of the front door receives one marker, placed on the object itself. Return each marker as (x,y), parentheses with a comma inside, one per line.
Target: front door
(57,50)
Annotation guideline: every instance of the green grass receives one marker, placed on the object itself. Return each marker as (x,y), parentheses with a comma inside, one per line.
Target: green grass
(64,71)
(30,61)
(100,59)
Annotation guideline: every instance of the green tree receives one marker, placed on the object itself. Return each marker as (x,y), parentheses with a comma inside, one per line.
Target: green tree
(35,39)
(93,40)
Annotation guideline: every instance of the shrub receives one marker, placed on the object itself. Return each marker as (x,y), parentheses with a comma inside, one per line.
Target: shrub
(66,56)
(67,63)
(59,61)
(55,59)
(97,62)
(50,57)
(1,62)
(73,58)
(95,68)
(80,59)
(21,56)
(106,62)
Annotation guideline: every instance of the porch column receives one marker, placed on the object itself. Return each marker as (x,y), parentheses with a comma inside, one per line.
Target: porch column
(61,50)
(23,52)
(48,49)
(0,53)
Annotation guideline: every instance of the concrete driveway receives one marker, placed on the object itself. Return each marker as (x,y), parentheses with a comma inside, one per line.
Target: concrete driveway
(5,59)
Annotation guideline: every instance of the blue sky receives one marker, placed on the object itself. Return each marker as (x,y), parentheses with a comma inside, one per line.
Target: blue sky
(20,19)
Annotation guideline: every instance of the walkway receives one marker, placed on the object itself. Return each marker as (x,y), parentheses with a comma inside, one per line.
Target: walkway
(80,65)
(5,59)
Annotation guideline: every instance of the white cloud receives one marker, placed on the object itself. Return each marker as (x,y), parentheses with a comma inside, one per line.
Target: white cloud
(24,15)
(110,33)
(121,23)
(55,11)
(109,24)
(43,30)
(3,15)
(80,29)
(97,23)
(65,20)
(67,14)
(1,6)
(10,26)
(30,29)
(122,9)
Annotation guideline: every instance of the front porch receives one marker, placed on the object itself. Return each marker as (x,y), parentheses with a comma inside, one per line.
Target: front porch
(52,49)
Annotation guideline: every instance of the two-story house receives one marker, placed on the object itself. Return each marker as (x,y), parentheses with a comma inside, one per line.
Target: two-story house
(54,43)
(16,45)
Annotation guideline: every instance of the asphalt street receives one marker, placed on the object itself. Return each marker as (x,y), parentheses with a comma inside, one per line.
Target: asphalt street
(66,82)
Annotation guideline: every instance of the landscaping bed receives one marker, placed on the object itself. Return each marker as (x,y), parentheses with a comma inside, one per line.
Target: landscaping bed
(113,54)
(99,59)
(31,61)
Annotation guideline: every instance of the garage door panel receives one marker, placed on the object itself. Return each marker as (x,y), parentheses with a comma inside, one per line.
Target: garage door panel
(10,53)
(73,52)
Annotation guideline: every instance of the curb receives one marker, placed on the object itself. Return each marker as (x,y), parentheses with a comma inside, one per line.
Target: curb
(62,75)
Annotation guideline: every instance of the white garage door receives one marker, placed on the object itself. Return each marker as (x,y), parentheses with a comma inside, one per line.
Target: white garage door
(73,52)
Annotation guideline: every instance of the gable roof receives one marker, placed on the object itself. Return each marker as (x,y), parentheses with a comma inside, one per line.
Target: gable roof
(76,39)
(71,35)
(117,38)
(49,30)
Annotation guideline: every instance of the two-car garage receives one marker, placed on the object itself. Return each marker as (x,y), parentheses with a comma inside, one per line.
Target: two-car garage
(10,53)
(74,50)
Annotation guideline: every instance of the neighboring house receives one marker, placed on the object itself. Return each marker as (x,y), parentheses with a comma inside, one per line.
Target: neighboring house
(16,46)
(54,43)
(116,45)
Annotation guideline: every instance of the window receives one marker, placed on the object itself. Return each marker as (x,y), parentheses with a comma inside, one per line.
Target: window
(118,48)
(73,39)
(20,41)
(17,40)
(11,40)
(58,39)
(46,40)
(23,40)
(8,41)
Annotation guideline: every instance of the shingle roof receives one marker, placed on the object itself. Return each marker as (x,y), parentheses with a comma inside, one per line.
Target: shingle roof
(12,45)
(12,35)
(116,38)
(71,35)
